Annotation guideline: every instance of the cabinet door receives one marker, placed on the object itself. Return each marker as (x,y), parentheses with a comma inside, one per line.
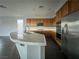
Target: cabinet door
(64,10)
(58,17)
(47,22)
(73,5)
(28,21)
(31,22)
(51,21)
(34,22)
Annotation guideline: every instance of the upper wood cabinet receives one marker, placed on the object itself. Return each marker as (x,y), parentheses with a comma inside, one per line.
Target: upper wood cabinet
(65,9)
(47,22)
(69,7)
(52,21)
(73,5)
(58,15)
(34,21)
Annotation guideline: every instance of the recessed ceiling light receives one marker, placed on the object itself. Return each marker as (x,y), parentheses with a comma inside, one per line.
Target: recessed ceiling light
(41,6)
(2,6)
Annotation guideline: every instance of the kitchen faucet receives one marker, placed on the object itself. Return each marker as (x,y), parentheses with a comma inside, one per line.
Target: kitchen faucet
(27,28)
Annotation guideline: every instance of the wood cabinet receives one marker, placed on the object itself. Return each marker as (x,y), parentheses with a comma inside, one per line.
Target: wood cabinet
(55,20)
(53,35)
(65,10)
(69,7)
(73,5)
(47,22)
(34,21)
(58,17)
(62,12)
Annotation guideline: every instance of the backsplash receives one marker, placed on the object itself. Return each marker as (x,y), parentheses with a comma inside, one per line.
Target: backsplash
(43,28)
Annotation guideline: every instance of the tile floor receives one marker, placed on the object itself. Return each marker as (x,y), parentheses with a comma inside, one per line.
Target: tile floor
(8,49)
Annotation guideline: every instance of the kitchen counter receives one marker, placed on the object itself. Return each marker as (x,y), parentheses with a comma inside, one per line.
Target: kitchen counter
(29,38)
(32,46)
(43,28)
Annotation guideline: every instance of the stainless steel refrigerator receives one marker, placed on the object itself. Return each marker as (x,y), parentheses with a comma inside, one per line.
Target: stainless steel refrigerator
(70,35)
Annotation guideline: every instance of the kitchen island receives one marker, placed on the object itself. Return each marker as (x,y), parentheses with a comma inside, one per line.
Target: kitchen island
(32,46)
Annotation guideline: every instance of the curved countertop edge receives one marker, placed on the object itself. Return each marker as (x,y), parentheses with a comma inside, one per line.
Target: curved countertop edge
(29,43)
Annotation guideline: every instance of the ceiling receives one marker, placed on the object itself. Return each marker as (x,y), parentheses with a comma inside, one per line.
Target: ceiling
(30,8)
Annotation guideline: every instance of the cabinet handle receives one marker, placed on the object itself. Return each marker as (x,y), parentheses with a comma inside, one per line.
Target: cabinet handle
(21,44)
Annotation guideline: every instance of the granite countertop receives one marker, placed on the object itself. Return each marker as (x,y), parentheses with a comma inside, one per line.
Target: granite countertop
(29,38)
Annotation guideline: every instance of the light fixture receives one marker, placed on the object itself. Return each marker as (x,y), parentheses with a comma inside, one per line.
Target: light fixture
(2,6)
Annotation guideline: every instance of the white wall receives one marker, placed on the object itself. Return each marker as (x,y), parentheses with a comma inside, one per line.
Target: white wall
(7,25)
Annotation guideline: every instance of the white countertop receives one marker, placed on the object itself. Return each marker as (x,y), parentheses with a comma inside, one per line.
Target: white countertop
(43,28)
(30,39)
